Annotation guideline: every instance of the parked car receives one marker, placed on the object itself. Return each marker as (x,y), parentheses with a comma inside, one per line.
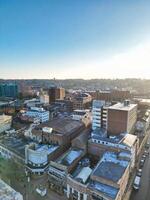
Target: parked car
(147,145)
(137,181)
(142,162)
(139,172)
(146,153)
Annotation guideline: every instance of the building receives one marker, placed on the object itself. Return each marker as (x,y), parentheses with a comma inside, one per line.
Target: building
(98,115)
(113,95)
(59,169)
(128,143)
(5,123)
(37,157)
(44,98)
(64,130)
(121,118)
(8,193)
(110,177)
(38,113)
(8,90)
(82,115)
(81,101)
(56,93)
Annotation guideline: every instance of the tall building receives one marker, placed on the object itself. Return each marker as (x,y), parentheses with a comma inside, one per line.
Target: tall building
(9,90)
(56,93)
(121,118)
(99,114)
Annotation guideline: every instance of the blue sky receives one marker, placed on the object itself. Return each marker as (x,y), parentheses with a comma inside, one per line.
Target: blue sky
(74,38)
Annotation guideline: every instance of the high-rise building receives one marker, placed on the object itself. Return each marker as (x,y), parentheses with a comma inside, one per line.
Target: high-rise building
(9,90)
(121,118)
(56,93)
(99,115)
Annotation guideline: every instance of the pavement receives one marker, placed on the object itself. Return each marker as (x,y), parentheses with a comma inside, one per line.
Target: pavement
(144,192)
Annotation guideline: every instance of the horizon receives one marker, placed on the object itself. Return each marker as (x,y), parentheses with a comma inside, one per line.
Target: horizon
(74,39)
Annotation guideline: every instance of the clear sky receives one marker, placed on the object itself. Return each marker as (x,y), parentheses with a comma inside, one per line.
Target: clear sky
(74,38)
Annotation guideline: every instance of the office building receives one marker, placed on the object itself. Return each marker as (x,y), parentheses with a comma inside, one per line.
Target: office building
(121,118)
(56,93)
(9,90)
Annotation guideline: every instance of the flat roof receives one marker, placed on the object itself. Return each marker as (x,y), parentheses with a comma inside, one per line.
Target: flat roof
(70,156)
(110,167)
(121,106)
(62,125)
(8,193)
(15,144)
(107,190)
(48,148)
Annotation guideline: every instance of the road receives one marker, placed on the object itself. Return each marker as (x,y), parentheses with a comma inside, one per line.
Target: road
(144,192)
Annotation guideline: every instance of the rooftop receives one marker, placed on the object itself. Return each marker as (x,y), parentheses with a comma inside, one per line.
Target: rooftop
(110,167)
(107,190)
(121,106)
(70,156)
(15,144)
(48,148)
(8,193)
(63,125)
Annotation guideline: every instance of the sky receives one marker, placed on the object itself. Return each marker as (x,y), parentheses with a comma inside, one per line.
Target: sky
(74,39)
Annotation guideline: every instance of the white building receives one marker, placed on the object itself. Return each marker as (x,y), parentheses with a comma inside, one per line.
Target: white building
(97,114)
(38,113)
(44,98)
(5,123)
(8,193)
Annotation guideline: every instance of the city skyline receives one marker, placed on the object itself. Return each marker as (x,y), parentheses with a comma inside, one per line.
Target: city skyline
(74,39)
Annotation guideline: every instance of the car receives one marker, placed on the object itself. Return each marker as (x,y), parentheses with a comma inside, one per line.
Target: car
(136,184)
(142,162)
(147,145)
(139,172)
(146,153)
(144,157)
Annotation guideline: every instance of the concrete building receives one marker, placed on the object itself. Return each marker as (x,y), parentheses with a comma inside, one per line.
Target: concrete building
(121,118)
(8,193)
(38,113)
(99,115)
(5,123)
(82,115)
(37,157)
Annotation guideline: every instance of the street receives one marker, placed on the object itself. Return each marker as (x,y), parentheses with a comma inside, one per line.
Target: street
(144,192)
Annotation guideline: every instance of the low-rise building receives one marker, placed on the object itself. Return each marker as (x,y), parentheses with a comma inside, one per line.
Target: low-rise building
(8,193)
(5,123)
(37,157)
(59,169)
(82,115)
(38,113)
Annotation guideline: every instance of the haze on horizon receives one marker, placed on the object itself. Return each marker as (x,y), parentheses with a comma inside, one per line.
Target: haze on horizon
(74,39)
